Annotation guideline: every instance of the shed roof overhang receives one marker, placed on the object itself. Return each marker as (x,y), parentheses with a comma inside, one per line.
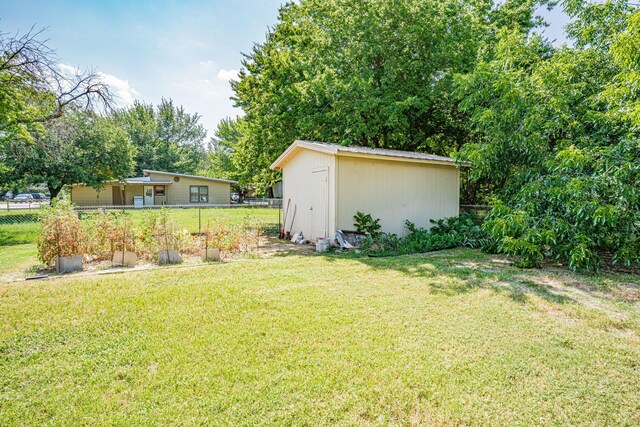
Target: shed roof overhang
(363,152)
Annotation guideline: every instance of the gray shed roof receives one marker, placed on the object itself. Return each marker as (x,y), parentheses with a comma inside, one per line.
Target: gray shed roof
(336,149)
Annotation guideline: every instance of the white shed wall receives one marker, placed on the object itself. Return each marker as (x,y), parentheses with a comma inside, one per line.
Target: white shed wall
(297,186)
(395,191)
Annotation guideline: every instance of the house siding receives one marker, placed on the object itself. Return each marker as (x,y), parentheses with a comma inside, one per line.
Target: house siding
(395,191)
(86,196)
(178,192)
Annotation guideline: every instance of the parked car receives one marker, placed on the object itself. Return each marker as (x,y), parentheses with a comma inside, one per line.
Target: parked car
(39,197)
(23,198)
(235,197)
(8,195)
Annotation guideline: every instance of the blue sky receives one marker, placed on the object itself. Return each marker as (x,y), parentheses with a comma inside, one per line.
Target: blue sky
(185,50)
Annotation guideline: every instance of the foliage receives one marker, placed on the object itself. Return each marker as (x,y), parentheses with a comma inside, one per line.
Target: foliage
(109,231)
(447,233)
(35,88)
(559,144)
(457,231)
(159,231)
(62,233)
(374,73)
(166,137)
(221,149)
(231,238)
(365,223)
(80,147)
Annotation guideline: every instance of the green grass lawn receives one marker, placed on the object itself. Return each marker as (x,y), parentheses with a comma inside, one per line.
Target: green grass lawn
(16,260)
(453,338)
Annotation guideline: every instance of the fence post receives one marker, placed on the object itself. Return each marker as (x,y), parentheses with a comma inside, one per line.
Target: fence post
(199,219)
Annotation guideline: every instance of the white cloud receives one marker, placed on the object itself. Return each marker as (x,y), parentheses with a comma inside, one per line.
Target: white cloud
(122,90)
(228,74)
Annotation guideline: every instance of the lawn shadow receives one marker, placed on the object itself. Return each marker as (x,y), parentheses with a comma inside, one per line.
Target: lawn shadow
(458,271)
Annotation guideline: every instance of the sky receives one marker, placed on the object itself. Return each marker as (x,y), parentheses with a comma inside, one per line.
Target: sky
(185,50)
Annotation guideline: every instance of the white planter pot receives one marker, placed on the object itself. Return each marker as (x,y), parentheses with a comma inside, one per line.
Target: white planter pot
(211,254)
(68,264)
(169,257)
(322,245)
(125,258)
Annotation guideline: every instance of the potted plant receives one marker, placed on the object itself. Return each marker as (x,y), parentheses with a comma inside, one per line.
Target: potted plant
(209,253)
(125,257)
(61,241)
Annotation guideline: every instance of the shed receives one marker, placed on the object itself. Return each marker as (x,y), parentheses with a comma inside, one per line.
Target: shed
(328,183)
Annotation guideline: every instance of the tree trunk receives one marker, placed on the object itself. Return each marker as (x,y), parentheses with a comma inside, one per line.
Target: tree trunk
(54,191)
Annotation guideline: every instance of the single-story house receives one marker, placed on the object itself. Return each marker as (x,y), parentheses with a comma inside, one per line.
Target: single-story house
(328,183)
(156,188)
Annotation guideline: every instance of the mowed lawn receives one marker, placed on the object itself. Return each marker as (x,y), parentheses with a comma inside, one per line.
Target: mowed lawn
(453,338)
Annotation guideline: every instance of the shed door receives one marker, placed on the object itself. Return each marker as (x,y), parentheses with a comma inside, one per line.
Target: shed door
(319,204)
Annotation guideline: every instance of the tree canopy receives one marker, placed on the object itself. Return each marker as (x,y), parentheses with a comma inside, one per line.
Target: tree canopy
(165,137)
(559,139)
(79,147)
(373,73)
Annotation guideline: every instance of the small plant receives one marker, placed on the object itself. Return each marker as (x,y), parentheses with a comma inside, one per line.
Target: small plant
(446,233)
(108,232)
(383,244)
(365,223)
(243,238)
(62,233)
(160,232)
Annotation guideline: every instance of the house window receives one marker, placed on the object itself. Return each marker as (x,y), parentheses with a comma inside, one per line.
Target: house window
(199,194)
(160,190)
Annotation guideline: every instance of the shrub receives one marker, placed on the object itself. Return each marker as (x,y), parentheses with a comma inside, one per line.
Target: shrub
(107,232)
(464,230)
(383,244)
(160,232)
(241,238)
(445,234)
(62,233)
(366,224)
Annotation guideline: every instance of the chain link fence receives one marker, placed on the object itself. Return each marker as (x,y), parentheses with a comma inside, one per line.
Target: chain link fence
(23,225)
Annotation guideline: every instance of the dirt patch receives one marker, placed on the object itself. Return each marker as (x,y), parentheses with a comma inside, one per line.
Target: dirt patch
(268,247)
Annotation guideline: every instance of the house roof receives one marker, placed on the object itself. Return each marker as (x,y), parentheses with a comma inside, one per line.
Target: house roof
(363,152)
(146,180)
(188,176)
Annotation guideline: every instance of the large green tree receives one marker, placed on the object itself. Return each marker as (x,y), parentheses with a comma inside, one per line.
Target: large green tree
(166,137)
(79,147)
(377,73)
(221,149)
(559,134)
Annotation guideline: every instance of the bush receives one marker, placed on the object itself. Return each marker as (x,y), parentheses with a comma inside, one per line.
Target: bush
(108,232)
(62,233)
(445,234)
(160,232)
(366,224)
(242,238)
